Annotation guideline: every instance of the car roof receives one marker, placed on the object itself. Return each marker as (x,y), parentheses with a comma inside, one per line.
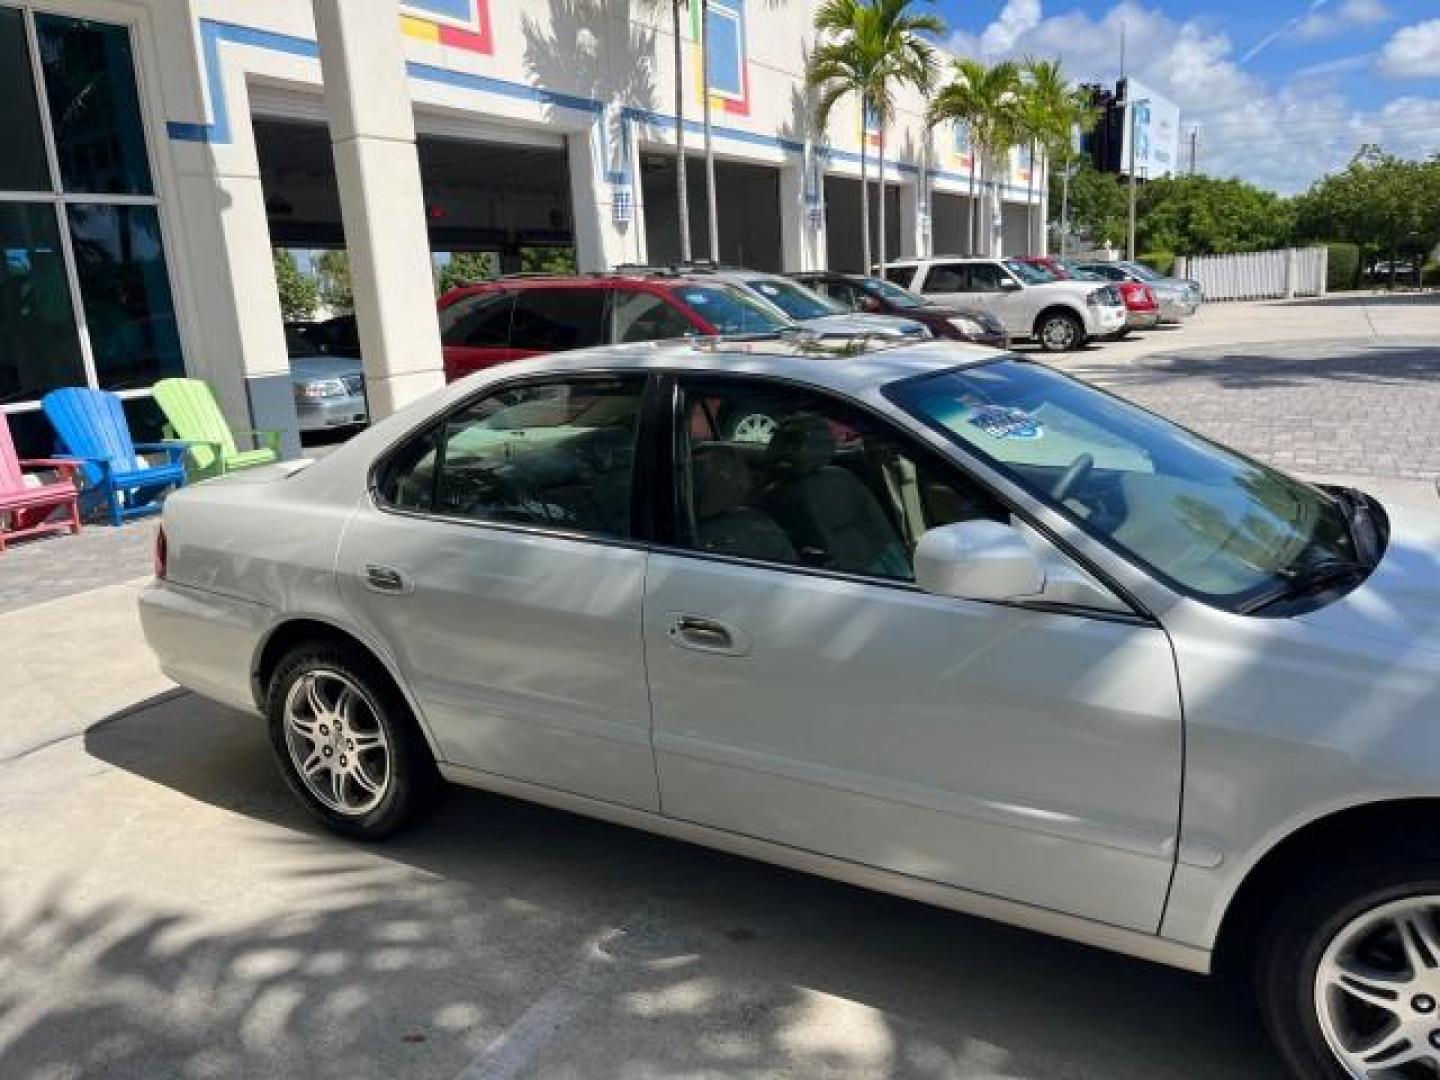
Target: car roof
(823,364)
(945,258)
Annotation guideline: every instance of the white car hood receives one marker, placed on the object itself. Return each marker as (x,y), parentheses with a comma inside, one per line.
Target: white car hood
(1399,602)
(1078,289)
(846,325)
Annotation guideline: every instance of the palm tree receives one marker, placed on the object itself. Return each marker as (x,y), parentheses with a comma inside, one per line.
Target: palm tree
(1044,117)
(682,197)
(870,49)
(984,100)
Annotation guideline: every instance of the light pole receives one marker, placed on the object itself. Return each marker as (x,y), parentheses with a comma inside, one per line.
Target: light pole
(1133,109)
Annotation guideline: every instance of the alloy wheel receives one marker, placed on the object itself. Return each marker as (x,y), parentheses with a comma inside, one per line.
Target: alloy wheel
(336,742)
(754,428)
(1058,333)
(1377,992)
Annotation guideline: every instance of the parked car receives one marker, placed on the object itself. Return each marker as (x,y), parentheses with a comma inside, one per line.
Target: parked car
(1179,298)
(337,336)
(963,629)
(1058,315)
(511,318)
(820,314)
(1142,306)
(329,389)
(878,296)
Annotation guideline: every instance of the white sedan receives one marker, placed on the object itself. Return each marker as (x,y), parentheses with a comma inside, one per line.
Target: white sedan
(955,626)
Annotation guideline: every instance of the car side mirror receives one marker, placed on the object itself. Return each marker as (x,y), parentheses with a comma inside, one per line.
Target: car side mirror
(869,305)
(978,560)
(1009,285)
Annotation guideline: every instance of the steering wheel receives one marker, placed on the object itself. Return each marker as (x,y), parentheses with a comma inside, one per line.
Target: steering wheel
(1078,470)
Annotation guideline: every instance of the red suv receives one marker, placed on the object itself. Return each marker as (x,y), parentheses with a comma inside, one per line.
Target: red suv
(489,323)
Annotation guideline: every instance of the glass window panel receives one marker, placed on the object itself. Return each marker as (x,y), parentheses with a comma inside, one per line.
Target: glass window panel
(22,166)
(39,346)
(123,284)
(94,106)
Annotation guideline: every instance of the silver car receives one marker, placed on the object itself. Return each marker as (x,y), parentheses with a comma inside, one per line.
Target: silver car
(329,390)
(960,628)
(821,315)
(1179,298)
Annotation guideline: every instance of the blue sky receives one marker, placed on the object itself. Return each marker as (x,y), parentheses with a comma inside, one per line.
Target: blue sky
(1282,90)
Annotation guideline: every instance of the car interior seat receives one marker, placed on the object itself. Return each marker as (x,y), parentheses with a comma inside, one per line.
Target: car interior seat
(726,519)
(831,517)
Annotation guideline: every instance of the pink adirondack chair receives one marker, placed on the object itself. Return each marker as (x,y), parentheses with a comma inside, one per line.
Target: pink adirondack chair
(26,509)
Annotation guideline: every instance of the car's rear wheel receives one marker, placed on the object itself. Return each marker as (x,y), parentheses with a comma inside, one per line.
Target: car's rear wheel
(1348,975)
(347,743)
(1060,331)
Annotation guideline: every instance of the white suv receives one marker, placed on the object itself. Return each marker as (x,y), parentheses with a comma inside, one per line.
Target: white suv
(1059,315)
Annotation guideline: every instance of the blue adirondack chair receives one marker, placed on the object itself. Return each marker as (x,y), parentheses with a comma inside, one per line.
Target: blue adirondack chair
(92,429)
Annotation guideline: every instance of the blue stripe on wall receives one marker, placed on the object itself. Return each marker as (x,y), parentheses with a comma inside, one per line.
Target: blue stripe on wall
(218,130)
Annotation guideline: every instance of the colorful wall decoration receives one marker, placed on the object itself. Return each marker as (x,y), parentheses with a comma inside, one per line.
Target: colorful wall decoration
(462,24)
(729,66)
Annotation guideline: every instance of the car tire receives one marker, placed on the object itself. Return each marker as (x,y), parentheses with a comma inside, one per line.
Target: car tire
(334,709)
(1060,331)
(1307,949)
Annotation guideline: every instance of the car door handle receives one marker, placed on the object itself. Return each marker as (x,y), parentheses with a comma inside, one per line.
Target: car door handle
(386,579)
(705,635)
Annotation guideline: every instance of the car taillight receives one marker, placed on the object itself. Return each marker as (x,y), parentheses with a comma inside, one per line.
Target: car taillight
(162,553)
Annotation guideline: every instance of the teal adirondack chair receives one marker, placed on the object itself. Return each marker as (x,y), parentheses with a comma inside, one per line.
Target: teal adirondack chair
(195,418)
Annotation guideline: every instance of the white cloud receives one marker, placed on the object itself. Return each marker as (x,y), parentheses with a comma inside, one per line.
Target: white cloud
(1351,13)
(1281,137)
(1414,52)
(1016,18)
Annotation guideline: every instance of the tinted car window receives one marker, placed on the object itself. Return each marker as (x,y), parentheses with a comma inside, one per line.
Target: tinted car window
(553,320)
(477,320)
(901,275)
(780,475)
(558,455)
(642,316)
(986,277)
(731,311)
(946,279)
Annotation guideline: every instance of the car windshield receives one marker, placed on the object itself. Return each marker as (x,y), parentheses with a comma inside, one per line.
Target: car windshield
(1031,275)
(1044,272)
(1205,520)
(1140,270)
(297,345)
(732,311)
(891,293)
(795,300)
(1079,273)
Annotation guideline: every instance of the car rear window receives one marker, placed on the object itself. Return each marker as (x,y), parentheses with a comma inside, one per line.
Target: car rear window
(554,320)
(900,275)
(479,319)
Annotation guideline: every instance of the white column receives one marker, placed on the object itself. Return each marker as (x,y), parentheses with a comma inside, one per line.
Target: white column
(237,336)
(913,224)
(382,205)
(603,166)
(802,218)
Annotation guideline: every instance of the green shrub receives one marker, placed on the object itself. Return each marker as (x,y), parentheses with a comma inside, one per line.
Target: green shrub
(1162,261)
(1343,267)
(1430,274)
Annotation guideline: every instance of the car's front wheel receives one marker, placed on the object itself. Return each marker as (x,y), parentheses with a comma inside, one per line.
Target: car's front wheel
(1349,973)
(346,742)
(1060,331)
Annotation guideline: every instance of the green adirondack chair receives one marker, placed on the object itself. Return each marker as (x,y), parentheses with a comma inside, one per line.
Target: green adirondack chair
(195,418)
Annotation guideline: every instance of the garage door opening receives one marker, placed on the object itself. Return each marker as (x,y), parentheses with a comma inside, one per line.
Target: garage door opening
(747,200)
(950,224)
(842,224)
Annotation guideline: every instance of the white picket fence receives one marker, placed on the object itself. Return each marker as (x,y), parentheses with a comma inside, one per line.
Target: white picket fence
(1258,275)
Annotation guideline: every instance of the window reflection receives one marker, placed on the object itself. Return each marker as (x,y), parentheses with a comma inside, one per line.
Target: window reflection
(22,165)
(123,284)
(94,108)
(39,345)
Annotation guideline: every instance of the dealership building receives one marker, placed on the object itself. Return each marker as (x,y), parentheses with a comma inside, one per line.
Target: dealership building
(158,150)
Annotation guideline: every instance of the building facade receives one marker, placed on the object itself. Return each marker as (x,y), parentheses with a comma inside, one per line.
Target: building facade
(161,148)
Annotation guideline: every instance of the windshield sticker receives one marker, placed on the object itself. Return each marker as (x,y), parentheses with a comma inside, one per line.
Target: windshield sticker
(1002,422)
(696,298)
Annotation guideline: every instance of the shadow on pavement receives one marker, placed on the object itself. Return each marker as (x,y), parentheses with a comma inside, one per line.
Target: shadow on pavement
(1333,300)
(620,955)
(1268,366)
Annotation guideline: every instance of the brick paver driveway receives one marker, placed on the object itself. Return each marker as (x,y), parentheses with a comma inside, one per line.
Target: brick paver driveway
(1349,408)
